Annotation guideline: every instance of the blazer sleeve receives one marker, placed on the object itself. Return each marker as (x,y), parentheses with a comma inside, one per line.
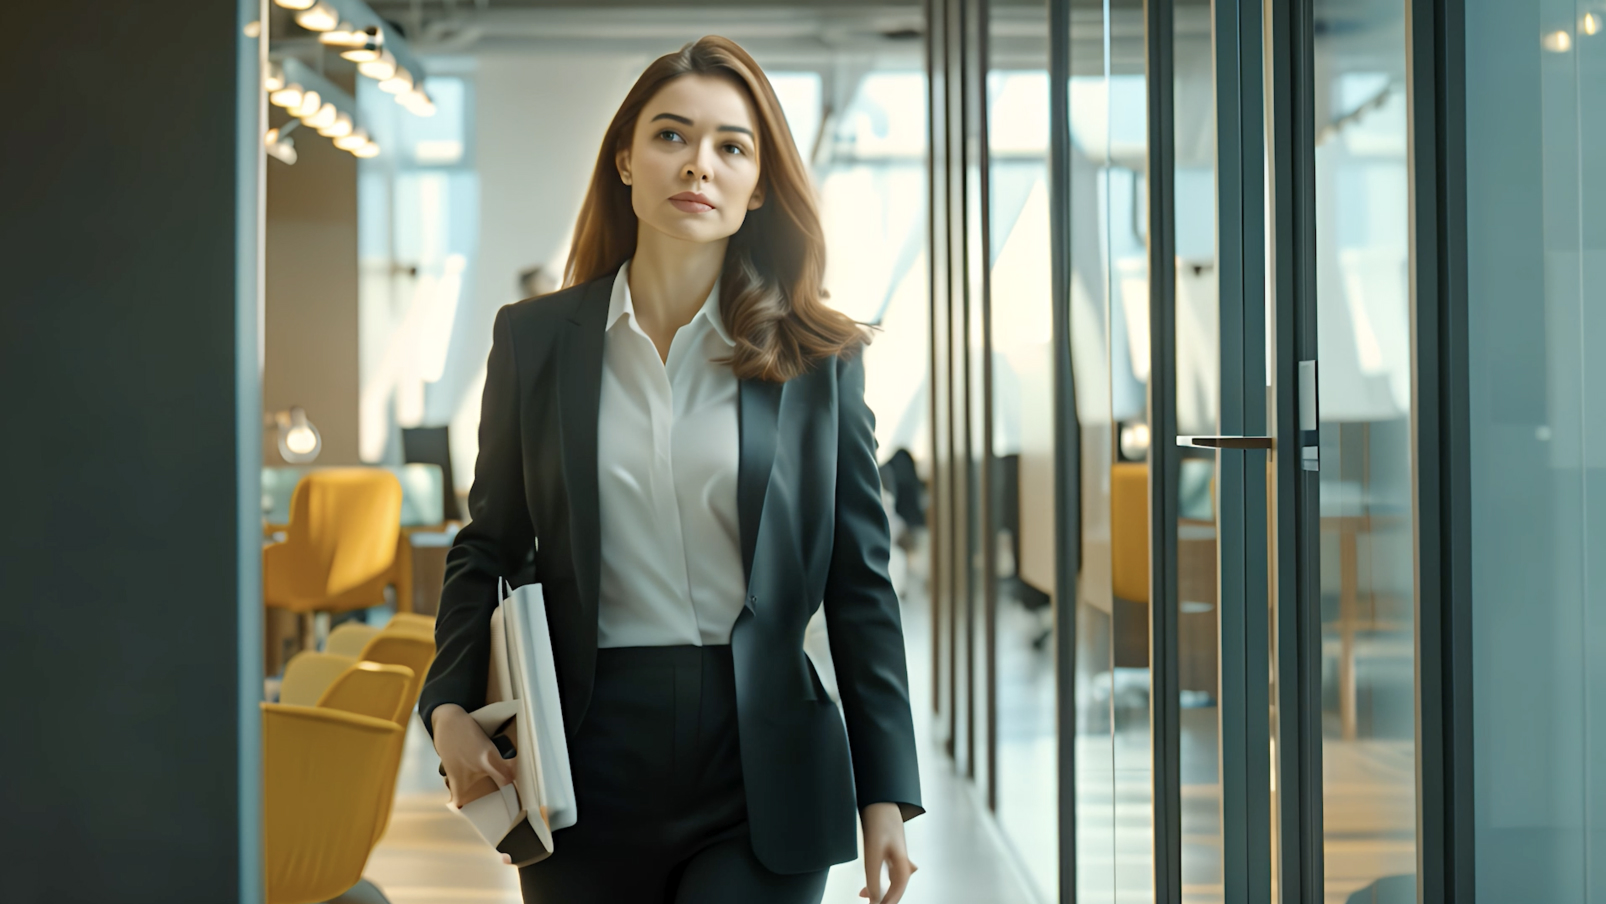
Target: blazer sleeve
(861,612)
(492,545)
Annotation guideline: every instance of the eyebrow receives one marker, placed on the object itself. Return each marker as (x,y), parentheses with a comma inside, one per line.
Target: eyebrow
(684,121)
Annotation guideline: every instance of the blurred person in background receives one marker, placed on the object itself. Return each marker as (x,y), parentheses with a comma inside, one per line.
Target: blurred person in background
(680,436)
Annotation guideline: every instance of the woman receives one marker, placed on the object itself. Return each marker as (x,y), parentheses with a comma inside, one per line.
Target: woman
(677,443)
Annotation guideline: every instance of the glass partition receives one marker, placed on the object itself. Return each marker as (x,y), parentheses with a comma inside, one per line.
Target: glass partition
(1364,399)
(1021,358)
(1536,259)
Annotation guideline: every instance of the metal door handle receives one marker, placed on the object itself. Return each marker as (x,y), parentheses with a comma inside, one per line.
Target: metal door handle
(1226,442)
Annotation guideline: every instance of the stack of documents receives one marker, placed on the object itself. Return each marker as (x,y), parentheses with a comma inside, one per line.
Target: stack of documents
(522,706)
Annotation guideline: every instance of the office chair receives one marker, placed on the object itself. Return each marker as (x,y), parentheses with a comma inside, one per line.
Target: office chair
(339,548)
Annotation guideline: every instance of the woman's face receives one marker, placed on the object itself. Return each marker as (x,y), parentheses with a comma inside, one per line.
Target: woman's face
(692,164)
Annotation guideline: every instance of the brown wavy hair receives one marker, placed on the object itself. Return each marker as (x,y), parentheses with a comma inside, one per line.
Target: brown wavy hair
(771,297)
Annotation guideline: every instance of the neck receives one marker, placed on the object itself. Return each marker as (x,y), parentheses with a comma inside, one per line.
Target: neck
(670,279)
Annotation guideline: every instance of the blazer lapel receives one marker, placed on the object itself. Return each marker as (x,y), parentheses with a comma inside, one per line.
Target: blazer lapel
(757,416)
(580,395)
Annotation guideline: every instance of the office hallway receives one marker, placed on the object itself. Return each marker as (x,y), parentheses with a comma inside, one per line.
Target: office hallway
(431,856)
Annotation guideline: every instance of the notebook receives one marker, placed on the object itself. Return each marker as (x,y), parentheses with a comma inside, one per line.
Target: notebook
(522,705)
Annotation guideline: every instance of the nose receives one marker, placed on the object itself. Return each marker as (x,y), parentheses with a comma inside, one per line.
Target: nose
(701,166)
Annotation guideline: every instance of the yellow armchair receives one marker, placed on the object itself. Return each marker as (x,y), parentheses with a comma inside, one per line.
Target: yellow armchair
(339,547)
(328,777)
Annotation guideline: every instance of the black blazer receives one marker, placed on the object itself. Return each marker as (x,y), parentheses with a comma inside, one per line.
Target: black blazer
(812,529)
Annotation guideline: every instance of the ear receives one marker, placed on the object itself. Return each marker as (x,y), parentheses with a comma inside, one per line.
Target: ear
(621,160)
(757,200)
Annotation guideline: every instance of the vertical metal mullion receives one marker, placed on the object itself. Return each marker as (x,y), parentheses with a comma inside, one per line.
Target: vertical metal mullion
(937,209)
(1164,458)
(1440,444)
(955,164)
(959,393)
(989,548)
(1067,439)
(1257,567)
(1232,479)
(1243,611)
(1298,627)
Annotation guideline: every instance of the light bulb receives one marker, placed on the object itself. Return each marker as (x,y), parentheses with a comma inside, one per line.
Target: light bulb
(351,141)
(341,126)
(323,118)
(1591,24)
(417,102)
(1557,42)
(1135,441)
(344,36)
(362,53)
(320,17)
(399,83)
(300,440)
(288,97)
(295,4)
(274,79)
(310,103)
(380,68)
(367,150)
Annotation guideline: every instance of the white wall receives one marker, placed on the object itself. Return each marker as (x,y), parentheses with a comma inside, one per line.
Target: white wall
(538,124)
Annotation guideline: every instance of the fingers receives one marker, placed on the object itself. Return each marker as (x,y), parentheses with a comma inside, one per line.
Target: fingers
(900,869)
(872,875)
(497,768)
(507,859)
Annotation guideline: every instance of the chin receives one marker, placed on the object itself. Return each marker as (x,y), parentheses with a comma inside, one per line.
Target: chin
(690,231)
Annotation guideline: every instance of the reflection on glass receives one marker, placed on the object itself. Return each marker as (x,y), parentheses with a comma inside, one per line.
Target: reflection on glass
(1109,360)
(1022,477)
(1536,262)
(1198,391)
(1368,719)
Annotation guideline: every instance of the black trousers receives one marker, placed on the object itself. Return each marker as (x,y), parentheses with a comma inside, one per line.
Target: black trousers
(658,782)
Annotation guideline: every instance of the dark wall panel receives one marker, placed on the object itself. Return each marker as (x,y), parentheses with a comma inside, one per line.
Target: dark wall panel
(119,538)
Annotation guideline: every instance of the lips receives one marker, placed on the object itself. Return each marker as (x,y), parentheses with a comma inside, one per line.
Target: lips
(691,202)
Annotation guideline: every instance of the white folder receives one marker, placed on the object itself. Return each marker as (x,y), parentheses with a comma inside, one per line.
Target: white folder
(522,703)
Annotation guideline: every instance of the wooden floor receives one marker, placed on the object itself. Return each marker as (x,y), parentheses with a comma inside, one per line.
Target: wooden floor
(430,855)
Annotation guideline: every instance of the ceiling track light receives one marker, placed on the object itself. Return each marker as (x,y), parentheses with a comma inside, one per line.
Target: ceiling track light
(341,126)
(352,141)
(289,96)
(400,83)
(318,17)
(379,68)
(318,104)
(323,118)
(310,104)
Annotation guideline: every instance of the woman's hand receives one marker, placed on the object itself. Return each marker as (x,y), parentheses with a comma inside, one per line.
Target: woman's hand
(883,843)
(469,756)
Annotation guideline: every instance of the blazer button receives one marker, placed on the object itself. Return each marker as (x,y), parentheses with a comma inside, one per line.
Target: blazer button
(752,599)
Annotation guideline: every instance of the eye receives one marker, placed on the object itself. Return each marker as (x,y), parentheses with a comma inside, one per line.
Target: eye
(735,148)
(670,135)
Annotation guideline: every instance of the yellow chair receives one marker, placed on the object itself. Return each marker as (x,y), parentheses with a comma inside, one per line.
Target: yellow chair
(329,775)
(307,675)
(1129,530)
(349,639)
(371,689)
(422,623)
(339,547)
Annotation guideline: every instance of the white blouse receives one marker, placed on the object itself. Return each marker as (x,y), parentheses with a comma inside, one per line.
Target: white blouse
(667,453)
